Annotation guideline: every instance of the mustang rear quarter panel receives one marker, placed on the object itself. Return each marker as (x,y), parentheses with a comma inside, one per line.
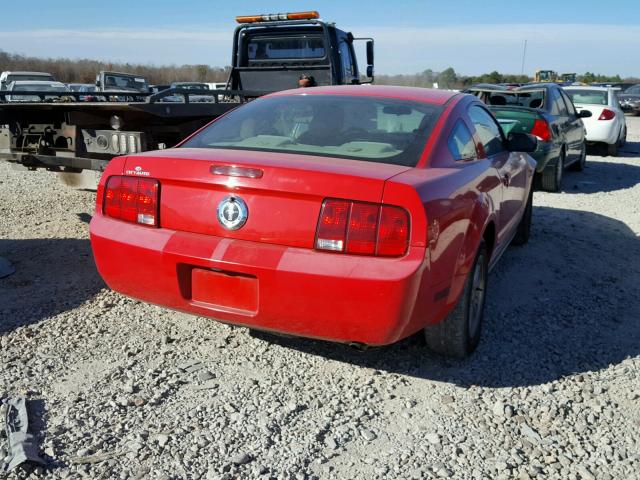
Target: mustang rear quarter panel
(460,199)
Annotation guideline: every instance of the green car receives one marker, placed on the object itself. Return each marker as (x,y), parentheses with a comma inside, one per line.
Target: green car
(545,111)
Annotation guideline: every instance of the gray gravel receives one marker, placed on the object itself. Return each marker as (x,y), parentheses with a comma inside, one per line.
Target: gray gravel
(121,389)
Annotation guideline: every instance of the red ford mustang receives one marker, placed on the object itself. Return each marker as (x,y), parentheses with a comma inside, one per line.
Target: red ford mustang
(353,214)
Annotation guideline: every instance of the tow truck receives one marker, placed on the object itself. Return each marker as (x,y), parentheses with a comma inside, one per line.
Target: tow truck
(270,53)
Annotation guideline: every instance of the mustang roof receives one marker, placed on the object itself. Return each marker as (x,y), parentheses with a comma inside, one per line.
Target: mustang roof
(426,95)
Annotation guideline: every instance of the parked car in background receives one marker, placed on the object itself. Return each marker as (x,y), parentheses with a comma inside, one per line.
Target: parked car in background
(217,85)
(7,77)
(545,111)
(195,86)
(84,88)
(157,88)
(126,83)
(35,86)
(630,99)
(357,215)
(607,123)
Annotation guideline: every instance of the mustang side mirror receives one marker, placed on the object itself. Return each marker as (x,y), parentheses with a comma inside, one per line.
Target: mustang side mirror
(584,114)
(522,142)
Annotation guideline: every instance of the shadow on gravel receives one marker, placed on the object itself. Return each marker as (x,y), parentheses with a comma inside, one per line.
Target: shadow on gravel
(601,176)
(563,304)
(52,276)
(629,149)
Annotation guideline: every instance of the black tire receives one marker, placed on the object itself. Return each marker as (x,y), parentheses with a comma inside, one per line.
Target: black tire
(623,138)
(582,161)
(551,176)
(458,334)
(612,149)
(524,227)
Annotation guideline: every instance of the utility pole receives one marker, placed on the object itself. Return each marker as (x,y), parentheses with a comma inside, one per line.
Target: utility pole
(524,54)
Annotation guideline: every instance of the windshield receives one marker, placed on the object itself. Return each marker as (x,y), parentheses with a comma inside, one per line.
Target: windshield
(591,97)
(260,48)
(361,128)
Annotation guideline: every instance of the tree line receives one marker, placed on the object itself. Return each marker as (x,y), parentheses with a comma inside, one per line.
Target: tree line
(448,78)
(84,71)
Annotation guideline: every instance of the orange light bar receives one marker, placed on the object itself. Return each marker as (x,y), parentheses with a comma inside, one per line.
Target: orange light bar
(272,17)
(303,15)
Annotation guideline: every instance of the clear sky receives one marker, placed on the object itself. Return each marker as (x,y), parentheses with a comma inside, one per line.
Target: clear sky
(472,36)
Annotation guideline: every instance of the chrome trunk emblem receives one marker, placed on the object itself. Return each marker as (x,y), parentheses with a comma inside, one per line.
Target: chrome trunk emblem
(232,213)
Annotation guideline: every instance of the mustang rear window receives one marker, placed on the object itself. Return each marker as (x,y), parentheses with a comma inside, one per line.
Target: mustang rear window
(353,127)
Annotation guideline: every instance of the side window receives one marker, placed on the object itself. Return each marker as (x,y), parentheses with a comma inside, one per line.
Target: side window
(570,108)
(487,129)
(558,107)
(346,62)
(461,143)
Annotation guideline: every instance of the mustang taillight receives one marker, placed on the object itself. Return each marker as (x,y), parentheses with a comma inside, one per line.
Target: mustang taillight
(607,114)
(541,130)
(362,228)
(132,199)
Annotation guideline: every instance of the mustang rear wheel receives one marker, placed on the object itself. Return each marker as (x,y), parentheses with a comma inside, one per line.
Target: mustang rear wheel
(459,333)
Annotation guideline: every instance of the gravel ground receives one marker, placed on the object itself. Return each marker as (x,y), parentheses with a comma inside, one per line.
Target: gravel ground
(121,389)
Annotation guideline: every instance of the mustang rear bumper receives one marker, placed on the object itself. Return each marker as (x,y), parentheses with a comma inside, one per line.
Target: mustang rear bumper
(298,291)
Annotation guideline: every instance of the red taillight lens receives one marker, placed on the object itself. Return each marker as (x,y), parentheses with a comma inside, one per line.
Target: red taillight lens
(541,130)
(393,236)
(607,114)
(132,200)
(332,227)
(362,228)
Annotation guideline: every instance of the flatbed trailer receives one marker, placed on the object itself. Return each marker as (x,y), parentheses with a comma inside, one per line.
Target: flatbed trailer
(72,136)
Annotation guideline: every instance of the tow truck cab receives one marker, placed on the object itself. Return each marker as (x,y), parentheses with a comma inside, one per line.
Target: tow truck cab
(271,52)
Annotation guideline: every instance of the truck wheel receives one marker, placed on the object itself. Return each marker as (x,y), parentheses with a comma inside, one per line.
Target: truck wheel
(459,333)
(612,149)
(524,227)
(551,177)
(580,164)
